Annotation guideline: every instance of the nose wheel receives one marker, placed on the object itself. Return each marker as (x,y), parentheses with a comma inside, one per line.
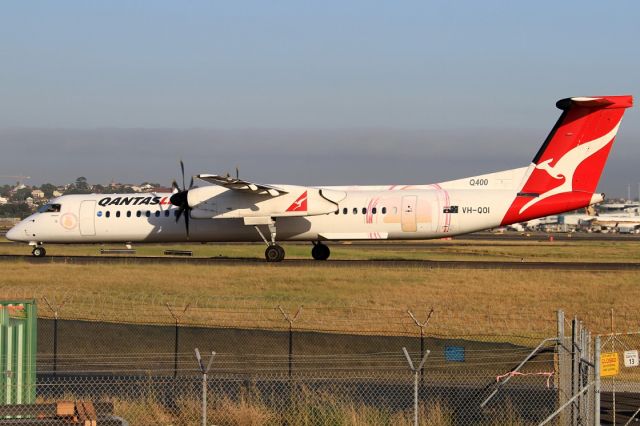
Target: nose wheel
(320,251)
(39,251)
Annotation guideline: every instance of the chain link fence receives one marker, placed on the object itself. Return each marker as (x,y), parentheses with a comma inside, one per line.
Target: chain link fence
(135,364)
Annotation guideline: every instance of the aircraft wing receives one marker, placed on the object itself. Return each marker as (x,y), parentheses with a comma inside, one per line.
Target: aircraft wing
(242,185)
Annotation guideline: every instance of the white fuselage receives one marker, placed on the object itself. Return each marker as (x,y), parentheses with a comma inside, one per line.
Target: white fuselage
(364,213)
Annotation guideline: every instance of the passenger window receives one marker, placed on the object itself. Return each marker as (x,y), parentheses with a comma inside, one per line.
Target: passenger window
(118,213)
(373,210)
(99,213)
(157,213)
(107,214)
(138,213)
(128,213)
(344,211)
(364,210)
(148,213)
(355,210)
(166,213)
(384,210)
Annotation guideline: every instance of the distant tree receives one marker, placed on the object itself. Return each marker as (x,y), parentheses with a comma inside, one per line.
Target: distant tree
(99,189)
(79,187)
(48,189)
(5,190)
(22,194)
(81,183)
(20,210)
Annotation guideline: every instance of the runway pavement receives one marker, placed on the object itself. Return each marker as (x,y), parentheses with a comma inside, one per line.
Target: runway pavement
(303,263)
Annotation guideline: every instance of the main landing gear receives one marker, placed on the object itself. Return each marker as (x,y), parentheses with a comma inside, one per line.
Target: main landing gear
(39,251)
(273,252)
(320,251)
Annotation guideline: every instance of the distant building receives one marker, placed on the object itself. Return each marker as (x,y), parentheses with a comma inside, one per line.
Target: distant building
(57,193)
(3,201)
(37,193)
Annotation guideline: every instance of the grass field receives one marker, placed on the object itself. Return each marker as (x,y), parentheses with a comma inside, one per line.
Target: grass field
(342,299)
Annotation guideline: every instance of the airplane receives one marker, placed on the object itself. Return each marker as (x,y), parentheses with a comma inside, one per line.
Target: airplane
(562,177)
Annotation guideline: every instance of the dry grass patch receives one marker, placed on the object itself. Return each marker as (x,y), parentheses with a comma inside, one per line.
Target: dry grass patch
(465,301)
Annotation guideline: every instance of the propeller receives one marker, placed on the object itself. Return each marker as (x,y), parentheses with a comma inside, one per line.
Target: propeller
(181,199)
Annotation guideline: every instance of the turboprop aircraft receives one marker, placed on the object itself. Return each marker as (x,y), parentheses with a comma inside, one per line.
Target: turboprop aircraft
(562,177)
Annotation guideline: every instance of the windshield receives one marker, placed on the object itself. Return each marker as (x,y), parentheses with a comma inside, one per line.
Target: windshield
(49,208)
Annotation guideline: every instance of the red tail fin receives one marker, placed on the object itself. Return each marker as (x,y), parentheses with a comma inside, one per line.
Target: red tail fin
(566,170)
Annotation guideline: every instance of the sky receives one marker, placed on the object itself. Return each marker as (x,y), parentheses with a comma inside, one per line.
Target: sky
(332,92)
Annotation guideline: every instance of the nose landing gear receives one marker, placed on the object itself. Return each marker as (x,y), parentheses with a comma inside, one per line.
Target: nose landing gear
(39,251)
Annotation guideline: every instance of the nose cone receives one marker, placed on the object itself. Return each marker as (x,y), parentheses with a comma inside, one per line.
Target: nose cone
(16,233)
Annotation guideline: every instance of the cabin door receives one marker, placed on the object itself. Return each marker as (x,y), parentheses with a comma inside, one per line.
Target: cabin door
(87,218)
(408,213)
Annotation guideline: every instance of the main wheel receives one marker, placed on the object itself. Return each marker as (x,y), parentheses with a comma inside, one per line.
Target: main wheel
(320,252)
(274,253)
(39,251)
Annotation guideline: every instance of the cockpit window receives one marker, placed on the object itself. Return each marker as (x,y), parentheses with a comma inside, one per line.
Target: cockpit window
(49,208)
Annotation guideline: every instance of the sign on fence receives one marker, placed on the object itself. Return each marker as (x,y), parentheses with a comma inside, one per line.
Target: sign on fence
(609,364)
(454,353)
(630,358)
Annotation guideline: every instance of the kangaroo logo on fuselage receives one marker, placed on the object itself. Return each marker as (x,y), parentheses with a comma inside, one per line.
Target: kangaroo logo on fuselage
(566,166)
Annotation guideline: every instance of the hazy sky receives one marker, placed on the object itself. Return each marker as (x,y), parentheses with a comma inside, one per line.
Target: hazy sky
(316,93)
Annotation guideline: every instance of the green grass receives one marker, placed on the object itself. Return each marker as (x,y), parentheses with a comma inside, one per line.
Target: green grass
(456,249)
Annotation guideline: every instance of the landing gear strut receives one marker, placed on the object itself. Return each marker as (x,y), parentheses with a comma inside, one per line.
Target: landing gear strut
(39,251)
(320,251)
(274,252)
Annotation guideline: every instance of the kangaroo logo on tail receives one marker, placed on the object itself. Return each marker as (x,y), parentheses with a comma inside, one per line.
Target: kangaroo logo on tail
(566,166)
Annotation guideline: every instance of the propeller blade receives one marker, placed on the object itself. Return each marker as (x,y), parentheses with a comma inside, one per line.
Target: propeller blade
(191,183)
(182,168)
(186,221)
(174,185)
(180,210)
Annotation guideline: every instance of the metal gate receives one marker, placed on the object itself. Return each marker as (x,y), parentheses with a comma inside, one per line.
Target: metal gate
(87,218)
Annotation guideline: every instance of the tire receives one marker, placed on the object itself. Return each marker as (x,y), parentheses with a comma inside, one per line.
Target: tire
(39,252)
(320,252)
(274,253)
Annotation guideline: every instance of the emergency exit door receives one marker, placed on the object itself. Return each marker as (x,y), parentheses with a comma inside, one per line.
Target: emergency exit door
(408,213)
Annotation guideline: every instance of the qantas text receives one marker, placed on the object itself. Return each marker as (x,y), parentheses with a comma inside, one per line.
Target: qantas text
(133,201)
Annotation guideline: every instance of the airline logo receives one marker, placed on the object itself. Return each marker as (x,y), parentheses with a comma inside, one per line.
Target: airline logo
(300,204)
(567,165)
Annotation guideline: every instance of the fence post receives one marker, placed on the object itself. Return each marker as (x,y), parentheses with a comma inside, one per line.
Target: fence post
(290,321)
(416,374)
(55,311)
(176,338)
(562,365)
(596,393)
(574,369)
(421,325)
(204,372)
